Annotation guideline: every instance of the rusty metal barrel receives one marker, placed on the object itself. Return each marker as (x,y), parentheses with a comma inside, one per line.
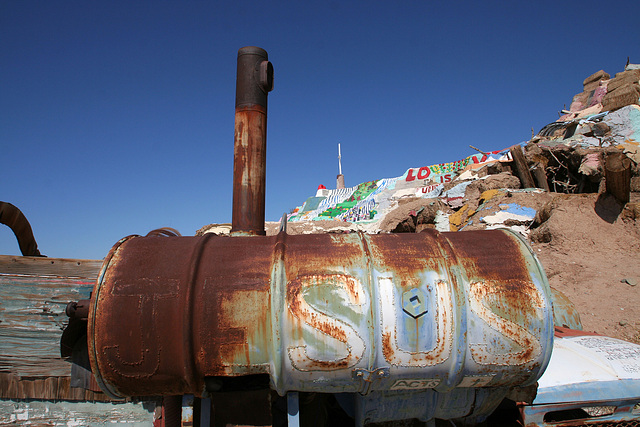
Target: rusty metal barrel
(325,313)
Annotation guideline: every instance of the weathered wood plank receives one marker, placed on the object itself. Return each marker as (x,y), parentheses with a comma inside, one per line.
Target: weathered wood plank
(541,177)
(51,388)
(59,267)
(34,293)
(618,176)
(521,167)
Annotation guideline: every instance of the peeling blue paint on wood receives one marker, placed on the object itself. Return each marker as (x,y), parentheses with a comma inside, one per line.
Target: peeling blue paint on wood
(32,319)
(34,293)
(76,414)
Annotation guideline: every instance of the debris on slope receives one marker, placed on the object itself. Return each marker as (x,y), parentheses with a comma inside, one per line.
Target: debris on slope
(564,157)
(368,203)
(603,93)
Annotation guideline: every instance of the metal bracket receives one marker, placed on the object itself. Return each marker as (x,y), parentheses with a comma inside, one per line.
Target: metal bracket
(369,376)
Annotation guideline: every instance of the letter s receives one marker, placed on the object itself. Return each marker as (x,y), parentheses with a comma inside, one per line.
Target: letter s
(522,297)
(344,347)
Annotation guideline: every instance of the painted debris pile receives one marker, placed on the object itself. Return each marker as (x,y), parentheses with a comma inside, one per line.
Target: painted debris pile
(566,156)
(603,93)
(369,203)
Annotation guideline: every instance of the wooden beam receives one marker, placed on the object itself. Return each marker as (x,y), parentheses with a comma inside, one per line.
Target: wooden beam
(46,388)
(57,267)
(541,177)
(521,167)
(32,317)
(618,176)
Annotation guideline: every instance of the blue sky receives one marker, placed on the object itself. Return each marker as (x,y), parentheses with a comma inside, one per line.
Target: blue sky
(117,117)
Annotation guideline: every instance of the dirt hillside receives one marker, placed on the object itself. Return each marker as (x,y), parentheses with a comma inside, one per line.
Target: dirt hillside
(594,262)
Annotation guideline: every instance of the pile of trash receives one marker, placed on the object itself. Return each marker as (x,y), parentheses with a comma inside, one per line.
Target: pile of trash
(603,93)
(567,156)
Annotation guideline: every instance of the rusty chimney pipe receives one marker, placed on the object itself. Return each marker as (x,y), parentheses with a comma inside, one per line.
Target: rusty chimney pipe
(254,81)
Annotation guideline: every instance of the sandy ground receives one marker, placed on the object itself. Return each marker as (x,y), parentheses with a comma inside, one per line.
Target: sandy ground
(591,260)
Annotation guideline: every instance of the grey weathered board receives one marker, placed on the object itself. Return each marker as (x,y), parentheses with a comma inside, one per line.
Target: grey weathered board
(33,295)
(50,267)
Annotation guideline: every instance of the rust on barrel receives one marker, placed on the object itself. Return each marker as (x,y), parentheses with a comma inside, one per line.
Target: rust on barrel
(177,313)
(169,312)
